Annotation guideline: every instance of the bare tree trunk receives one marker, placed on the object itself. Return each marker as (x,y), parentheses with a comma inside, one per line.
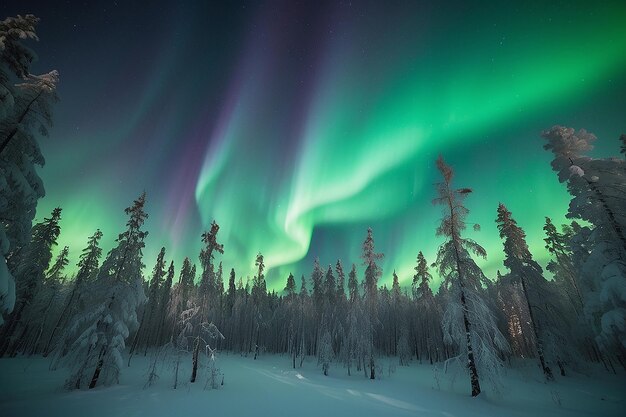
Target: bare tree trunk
(194,368)
(96,373)
(546,370)
(471,363)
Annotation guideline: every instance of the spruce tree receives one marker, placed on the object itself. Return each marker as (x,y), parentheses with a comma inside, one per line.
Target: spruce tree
(428,313)
(478,336)
(56,270)
(232,292)
(26,103)
(208,284)
(395,286)
(598,189)
(557,244)
(353,285)
(341,281)
(30,274)
(113,298)
(44,303)
(259,298)
(330,286)
(290,287)
(421,279)
(146,324)
(521,263)
(163,326)
(370,292)
(303,290)
(185,283)
(87,269)
(317,277)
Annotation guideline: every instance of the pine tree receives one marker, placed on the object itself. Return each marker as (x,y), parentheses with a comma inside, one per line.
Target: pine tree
(428,312)
(30,273)
(43,303)
(290,287)
(421,279)
(330,286)
(56,270)
(370,287)
(353,285)
(303,290)
(557,245)
(259,296)
(87,269)
(259,290)
(219,280)
(26,102)
(598,187)
(521,263)
(113,298)
(164,298)
(341,281)
(478,335)
(326,351)
(185,283)
(317,277)
(292,311)
(146,324)
(358,338)
(208,285)
(232,291)
(395,286)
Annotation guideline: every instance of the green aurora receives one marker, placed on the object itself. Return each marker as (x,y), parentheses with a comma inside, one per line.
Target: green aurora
(297,130)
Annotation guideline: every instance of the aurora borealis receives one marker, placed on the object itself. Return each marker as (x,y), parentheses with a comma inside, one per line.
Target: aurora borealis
(296,125)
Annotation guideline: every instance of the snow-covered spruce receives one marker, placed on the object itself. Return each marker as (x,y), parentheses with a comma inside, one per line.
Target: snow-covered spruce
(468,323)
(95,357)
(598,189)
(26,103)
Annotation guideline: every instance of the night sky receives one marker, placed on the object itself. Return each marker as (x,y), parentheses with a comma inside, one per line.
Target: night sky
(296,125)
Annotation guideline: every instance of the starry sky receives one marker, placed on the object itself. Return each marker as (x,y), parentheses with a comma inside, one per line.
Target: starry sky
(298,124)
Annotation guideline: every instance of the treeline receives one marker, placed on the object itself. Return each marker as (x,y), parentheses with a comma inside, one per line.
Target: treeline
(339,315)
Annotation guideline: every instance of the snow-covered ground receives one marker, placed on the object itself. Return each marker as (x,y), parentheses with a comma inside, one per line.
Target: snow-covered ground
(269,387)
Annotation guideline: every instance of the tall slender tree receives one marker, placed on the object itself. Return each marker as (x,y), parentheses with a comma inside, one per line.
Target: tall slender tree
(208,284)
(521,263)
(479,337)
(87,269)
(96,355)
(146,324)
(163,327)
(44,302)
(290,287)
(34,261)
(370,292)
(232,292)
(341,281)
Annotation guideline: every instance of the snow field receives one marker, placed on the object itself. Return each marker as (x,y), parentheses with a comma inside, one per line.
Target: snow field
(270,387)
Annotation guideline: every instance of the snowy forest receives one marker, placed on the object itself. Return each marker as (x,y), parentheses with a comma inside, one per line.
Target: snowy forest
(176,323)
